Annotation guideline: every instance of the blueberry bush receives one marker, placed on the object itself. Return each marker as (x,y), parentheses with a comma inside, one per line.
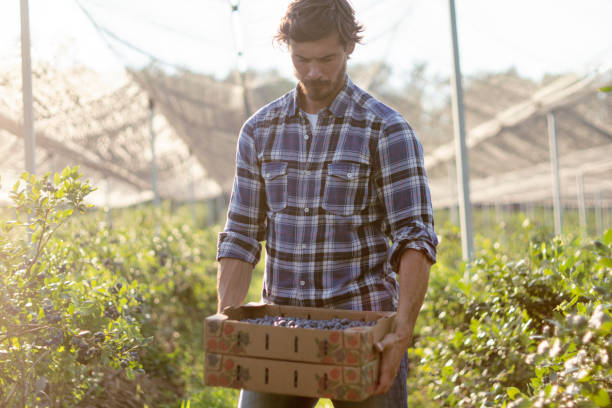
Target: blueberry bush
(107,311)
(529,330)
(63,317)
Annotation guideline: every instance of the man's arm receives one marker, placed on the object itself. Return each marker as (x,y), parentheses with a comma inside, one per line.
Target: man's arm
(239,248)
(413,281)
(233,281)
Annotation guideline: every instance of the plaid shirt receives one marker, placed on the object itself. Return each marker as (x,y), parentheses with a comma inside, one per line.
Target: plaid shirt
(328,200)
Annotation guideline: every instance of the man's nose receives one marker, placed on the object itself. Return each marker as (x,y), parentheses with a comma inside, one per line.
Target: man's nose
(314,72)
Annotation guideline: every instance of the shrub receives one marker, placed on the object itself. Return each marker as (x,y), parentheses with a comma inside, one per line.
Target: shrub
(530,331)
(64,318)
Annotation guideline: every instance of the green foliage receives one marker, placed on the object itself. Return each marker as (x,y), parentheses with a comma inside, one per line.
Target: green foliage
(87,299)
(214,398)
(62,316)
(102,297)
(175,268)
(529,330)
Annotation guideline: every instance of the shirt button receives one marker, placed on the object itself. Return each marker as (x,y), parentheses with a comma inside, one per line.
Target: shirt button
(302,283)
(308,172)
(305,137)
(306,210)
(303,245)
(349,175)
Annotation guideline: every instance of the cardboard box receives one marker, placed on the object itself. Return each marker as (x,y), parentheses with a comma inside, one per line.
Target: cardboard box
(335,364)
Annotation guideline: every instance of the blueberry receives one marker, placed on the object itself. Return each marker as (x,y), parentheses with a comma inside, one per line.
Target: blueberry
(53,317)
(111,311)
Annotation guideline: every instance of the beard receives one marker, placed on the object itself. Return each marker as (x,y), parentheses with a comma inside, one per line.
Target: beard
(322,89)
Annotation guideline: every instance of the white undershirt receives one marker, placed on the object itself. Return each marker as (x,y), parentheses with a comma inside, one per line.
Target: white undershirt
(312,118)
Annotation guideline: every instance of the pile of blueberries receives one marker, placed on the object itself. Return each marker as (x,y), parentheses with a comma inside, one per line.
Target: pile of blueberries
(298,322)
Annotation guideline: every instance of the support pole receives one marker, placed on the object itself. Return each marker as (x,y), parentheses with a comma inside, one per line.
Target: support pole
(192,189)
(531,212)
(109,206)
(53,165)
(26,81)
(599,214)
(581,204)
(153,158)
(238,45)
(556,179)
(461,156)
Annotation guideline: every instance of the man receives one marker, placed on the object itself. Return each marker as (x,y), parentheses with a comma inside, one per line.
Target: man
(327,175)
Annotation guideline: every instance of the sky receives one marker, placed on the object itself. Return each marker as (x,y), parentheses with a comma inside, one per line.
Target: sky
(533,36)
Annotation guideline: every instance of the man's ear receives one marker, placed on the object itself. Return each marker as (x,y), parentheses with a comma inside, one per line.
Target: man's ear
(350,47)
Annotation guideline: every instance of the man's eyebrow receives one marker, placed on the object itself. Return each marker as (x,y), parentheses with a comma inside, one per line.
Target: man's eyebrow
(329,55)
(323,57)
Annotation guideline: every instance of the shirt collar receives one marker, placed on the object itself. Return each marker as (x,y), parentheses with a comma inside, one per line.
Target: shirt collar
(337,108)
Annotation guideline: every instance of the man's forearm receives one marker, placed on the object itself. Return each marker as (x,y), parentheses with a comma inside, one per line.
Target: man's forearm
(413,281)
(233,281)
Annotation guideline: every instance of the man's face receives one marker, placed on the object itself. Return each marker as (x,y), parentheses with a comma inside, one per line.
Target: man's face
(320,67)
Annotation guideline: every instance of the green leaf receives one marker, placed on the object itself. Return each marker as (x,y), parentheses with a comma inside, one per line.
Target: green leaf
(607,237)
(606,328)
(512,391)
(602,398)
(447,371)
(606,88)
(605,261)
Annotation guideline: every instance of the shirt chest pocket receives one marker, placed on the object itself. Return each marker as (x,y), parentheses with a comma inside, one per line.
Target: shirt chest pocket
(275,179)
(346,188)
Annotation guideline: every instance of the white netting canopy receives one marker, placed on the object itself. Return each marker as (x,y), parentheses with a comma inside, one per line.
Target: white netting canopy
(105,124)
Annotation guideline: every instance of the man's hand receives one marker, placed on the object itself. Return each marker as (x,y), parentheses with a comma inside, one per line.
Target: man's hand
(413,280)
(393,347)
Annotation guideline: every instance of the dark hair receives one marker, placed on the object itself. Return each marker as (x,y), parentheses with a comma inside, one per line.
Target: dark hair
(312,20)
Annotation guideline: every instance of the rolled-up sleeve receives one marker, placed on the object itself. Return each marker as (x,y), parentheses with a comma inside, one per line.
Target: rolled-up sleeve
(245,226)
(401,183)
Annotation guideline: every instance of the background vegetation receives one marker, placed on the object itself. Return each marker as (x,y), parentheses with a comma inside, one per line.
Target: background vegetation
(106,309)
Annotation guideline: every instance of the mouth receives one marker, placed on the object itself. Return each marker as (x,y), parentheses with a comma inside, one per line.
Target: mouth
(316,84)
